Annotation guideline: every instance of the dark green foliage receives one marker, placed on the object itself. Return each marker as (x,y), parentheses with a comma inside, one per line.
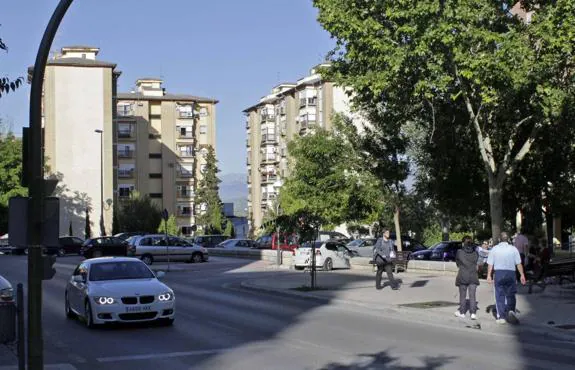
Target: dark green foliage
(212,220)
(139,213)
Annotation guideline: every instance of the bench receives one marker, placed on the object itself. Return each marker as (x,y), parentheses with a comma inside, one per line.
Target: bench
(400,261)
(562,268)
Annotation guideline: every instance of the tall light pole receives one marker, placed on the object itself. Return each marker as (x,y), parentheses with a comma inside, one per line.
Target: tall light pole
(102,225)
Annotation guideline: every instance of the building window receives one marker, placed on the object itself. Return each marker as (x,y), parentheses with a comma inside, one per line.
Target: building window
(185,191)
(155,175)
(155,116)
(184,210)
(155,155)
(186,150)
(203,112)
(185,132)
(187,230)
(203,129)
(125,191)
(156,195)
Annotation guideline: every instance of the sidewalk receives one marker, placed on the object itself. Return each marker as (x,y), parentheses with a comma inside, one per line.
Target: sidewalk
(435,298)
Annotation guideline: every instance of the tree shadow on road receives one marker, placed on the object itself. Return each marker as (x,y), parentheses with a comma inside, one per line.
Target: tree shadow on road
(384,360)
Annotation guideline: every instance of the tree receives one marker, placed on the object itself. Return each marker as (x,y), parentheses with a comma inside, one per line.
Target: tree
(139,214)
(325,180)
(510,78)
(229,231)
(173,228)
(7,85)
(10,175)
(88,227)
(210,213)
(115,222)
(70,231)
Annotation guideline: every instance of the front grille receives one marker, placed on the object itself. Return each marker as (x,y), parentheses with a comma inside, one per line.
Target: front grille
(137,316)
(146,299)
(129,300)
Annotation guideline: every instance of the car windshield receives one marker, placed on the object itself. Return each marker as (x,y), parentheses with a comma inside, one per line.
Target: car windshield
(355,243)
(119,271)
(439,247)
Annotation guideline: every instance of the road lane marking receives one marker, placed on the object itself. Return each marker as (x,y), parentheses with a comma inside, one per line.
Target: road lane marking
(155,356)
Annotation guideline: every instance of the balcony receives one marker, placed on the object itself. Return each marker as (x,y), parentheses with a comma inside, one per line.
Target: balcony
(248,143)
(186,153)
(185,135)
(185,212)
(185,174)
(186,115)
(269,179)
(282,111)
(308,102)
(126,174)
(125,111)
(125,153)
(269,138)
(126,133)
(186,194)
(269,158)
(306,121)
(267,117)
(123,195)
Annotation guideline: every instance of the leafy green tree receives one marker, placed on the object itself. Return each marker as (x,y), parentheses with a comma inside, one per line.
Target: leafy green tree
(229,231)
(209,212)
(511,78)
(325,180)
(139,213)
(173,228)
(70,231)
(10,174)
(115,222)
(88,227)
(7,85)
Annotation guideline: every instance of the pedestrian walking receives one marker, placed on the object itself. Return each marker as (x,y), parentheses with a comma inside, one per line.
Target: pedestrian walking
(502,262)
(384,253)
(522,244)
(468,262)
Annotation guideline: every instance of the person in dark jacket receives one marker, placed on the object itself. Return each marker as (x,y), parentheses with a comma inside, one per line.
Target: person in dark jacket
(467,260)
(383,253)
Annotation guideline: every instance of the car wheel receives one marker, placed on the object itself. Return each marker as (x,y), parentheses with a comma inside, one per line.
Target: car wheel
(197,258)
(69,313)
(328,265)
(61,252)
(88,315)
(147,259)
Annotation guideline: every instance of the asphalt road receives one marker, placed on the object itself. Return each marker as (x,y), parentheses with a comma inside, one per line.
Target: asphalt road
(220,325)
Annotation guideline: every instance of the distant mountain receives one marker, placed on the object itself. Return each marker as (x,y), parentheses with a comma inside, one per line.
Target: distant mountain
(234,189)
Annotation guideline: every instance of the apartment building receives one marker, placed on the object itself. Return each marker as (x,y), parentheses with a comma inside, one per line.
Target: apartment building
(160,143)
(77,102)
(290,110)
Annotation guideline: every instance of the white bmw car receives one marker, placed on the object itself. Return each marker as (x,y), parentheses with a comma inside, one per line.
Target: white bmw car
(118,289)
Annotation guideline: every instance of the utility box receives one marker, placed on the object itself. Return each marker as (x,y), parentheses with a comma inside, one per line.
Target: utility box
(7,322)
(18,223)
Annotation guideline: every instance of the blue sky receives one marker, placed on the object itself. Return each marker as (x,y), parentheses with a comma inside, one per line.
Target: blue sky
(231,50)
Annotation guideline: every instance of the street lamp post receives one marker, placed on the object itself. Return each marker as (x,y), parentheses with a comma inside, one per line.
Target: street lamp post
(102,225)
(277,185)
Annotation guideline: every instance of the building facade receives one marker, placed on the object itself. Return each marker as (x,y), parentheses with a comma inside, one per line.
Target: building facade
(77,102)
(160,143)
(290,110)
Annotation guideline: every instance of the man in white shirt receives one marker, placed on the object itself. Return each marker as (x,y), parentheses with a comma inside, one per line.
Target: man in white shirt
(502,261)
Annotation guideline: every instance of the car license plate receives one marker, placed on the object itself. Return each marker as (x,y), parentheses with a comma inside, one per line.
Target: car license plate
(138,309)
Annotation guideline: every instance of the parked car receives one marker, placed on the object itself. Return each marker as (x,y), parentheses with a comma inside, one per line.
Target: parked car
(157,248)
(329,254)
(118,289)
(236,243)
(6,290)
(332,235)
(362,247)
(209,241)
(66,245)
(287,241)
(104,246)
(442,251)
(264,242)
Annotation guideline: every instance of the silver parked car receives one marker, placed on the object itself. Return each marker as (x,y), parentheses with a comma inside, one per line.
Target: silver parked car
(158,247)
(6,291)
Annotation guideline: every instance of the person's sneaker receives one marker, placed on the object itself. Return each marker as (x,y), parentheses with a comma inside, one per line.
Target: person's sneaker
(473,316)
(501,321)
(459,314)
(512,318)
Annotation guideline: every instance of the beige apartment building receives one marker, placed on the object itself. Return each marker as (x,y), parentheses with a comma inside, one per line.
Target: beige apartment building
(290,110)
(146,140)
(77,101)
(160,143)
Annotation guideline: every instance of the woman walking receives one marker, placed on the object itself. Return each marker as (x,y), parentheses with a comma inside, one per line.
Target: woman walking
(467,260)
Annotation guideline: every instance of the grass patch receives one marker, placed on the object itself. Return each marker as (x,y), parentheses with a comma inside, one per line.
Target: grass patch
(306,288)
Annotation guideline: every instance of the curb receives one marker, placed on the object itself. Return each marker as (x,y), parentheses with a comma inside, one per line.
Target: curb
(415,315)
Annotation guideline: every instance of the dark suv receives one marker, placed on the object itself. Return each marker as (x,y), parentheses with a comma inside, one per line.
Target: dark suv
(209,241)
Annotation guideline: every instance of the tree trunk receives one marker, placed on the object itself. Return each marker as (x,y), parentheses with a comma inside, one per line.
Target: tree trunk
(397,228)
(496,208)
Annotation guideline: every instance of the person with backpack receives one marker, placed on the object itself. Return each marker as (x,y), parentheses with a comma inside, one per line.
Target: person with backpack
(384,253)
(468,262)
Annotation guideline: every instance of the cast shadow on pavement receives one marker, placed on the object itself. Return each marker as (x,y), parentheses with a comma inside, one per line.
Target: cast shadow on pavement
(384,360)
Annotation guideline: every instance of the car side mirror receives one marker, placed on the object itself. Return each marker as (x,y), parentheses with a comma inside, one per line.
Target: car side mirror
(78,279)
(160,274)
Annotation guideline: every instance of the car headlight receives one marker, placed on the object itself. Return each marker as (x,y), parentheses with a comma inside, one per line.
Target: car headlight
(168,296)
(7,294)
(104,300)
